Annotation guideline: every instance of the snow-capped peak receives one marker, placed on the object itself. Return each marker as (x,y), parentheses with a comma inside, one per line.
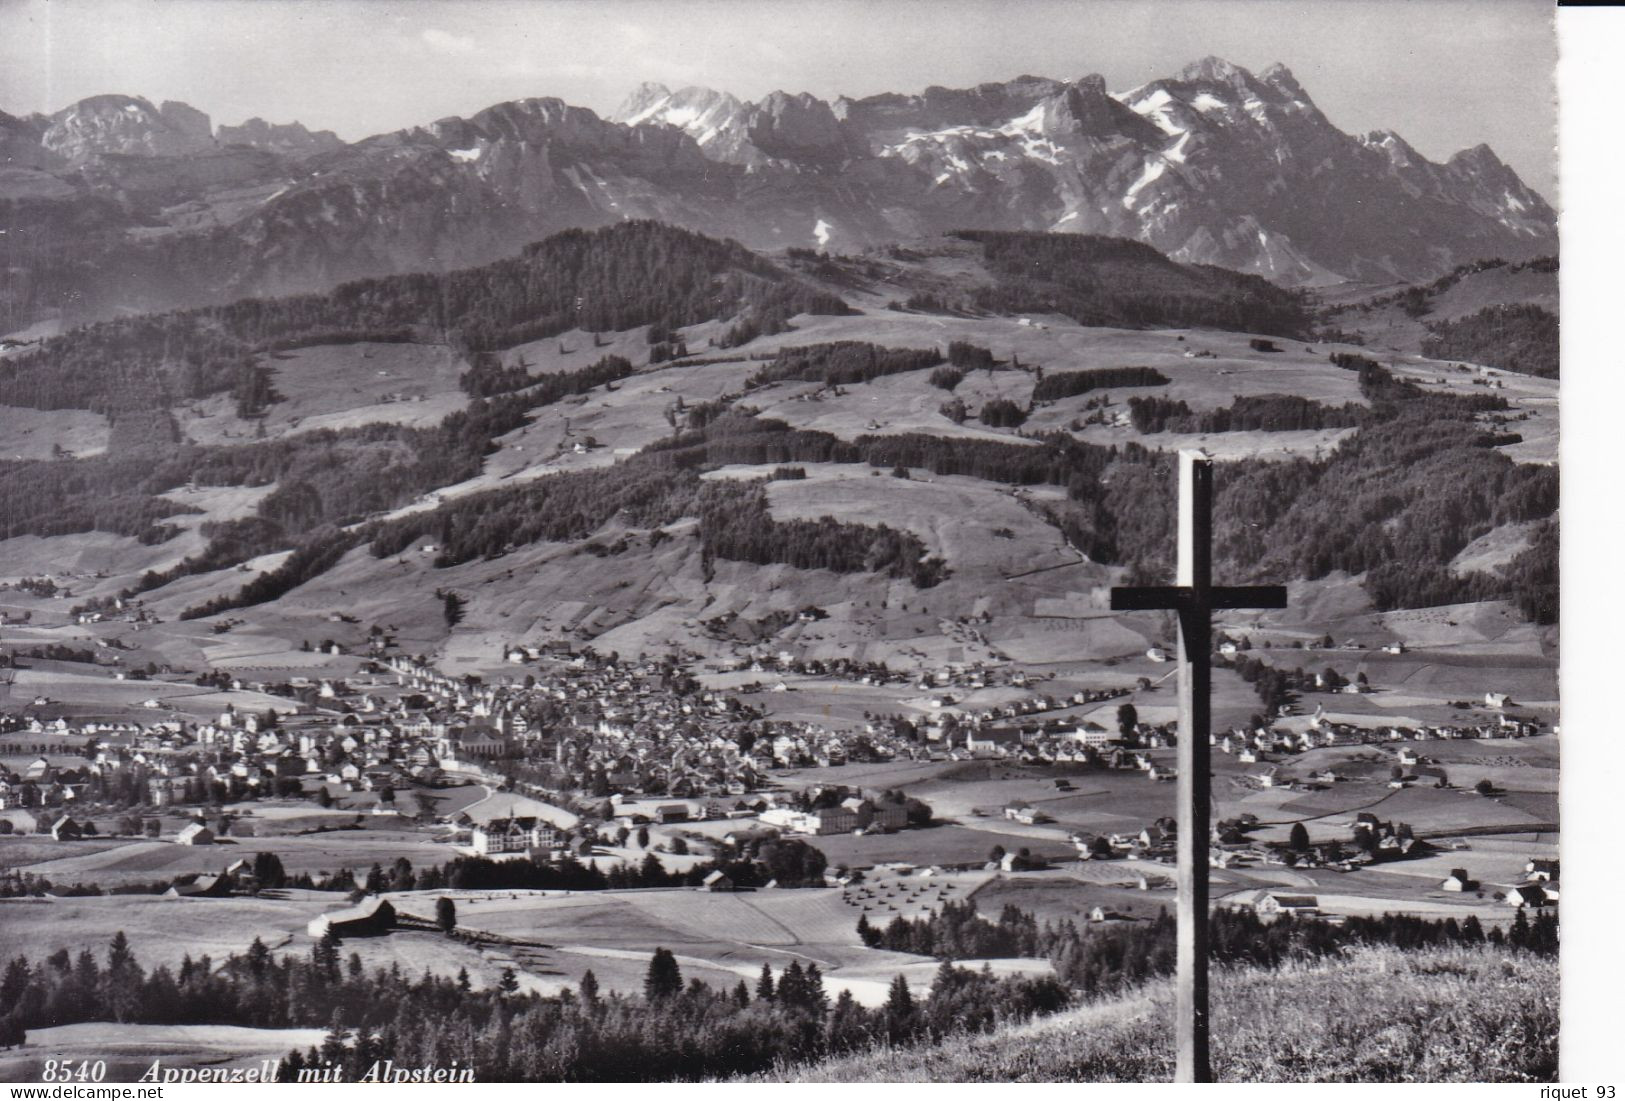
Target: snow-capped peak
(704,113)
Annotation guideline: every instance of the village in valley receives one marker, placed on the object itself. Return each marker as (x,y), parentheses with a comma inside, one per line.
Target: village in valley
(333,796)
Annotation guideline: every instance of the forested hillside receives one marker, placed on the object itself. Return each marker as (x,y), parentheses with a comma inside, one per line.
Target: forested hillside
(635,273)
(1112,281)
(1514,338)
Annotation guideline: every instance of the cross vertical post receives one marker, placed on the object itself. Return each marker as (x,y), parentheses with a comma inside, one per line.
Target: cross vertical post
(1194,599)
(1195,573)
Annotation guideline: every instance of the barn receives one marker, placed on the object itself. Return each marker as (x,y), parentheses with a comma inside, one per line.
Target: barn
(195,833)
(1273,905)
(199,886)
(370,917)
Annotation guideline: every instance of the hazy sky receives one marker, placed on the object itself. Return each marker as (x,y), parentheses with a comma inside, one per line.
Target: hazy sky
(1446,74)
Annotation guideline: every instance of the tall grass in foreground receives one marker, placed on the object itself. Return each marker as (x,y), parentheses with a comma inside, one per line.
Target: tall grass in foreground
(1375,1015)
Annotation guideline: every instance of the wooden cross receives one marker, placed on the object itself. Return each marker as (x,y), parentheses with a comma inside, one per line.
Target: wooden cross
(1195,599)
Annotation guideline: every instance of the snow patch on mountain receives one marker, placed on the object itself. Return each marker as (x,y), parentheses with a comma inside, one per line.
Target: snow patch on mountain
(1153,172)
(1156,108)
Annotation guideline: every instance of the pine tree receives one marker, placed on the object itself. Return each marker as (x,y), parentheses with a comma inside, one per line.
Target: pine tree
(445,915)
(1518,936)
(119,956)
(336,1042)
(900,1012)
(764,985)
(848,1025)
(325,956)
(792,987)
(589,988)
(664,977)
(816,999)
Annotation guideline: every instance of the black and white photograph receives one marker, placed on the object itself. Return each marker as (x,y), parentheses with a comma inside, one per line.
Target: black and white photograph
(771,542)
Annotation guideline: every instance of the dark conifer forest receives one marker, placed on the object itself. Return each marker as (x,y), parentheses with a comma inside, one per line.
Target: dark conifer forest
(1111,281)
(1521,338)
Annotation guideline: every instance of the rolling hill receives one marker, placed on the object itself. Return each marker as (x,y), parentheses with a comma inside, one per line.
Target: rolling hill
(648,440)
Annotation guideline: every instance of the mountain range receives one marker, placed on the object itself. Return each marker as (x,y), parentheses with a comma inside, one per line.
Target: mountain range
(114,203)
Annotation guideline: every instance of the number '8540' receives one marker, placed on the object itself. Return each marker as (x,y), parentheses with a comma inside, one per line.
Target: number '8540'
(74,1070)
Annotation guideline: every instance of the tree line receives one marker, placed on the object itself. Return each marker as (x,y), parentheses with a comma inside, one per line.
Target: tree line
(842,363)
(1113,956)
(1246,413)
(1065,384)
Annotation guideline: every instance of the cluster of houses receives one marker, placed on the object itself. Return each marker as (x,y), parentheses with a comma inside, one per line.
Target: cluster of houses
(622,725)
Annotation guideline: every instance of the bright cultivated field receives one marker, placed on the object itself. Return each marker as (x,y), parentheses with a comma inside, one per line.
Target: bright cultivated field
(149,861)
(720,938)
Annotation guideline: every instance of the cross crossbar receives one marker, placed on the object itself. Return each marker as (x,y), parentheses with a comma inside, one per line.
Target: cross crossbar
(1146,598)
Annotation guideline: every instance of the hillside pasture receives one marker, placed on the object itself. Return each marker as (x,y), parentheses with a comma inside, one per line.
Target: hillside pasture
(162,931)
(621,420)
(954,516)
(1494,549)
(33,434)
(1496,862)
(945,844)
(20,851)
(575,349)
(891,405)
(339,386)
(1057,897)
(92,563)
(720,938)
(147,861)
(99,695)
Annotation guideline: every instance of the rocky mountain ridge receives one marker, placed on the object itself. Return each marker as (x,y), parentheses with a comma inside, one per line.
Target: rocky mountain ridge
(1212,165)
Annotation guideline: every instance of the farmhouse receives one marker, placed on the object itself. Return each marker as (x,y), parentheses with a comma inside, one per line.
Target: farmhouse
(1273,905)
(1459,880)
(195,833)
(370,917)
(1021,811)
(199,886)
(717,881)
(1541,870)
(1100,915)
(66,829)
(1528,894)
